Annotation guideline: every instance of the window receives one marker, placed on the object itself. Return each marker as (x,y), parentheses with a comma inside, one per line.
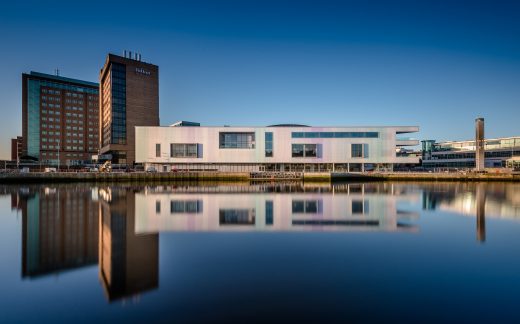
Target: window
(304,150)
(269,144)
(335,135)
(237,140)
(157,206)
(185,206)
(359,207)
(157,150)
(359,150)
(306,206)
(183,150)
(237,216)
(269,212)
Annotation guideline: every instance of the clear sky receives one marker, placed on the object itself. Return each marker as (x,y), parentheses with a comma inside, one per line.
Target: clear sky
(435,64)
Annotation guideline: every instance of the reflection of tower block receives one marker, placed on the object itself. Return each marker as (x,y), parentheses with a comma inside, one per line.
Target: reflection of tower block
(479,145)
(481,213)
(128,263)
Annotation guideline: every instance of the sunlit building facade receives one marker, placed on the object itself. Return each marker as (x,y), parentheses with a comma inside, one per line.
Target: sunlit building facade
(461,154)
(273,148)
(129,97)
(60,118)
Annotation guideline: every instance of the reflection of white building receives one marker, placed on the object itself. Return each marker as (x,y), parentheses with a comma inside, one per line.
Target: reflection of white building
(192,211)
(466,204)
(495,200)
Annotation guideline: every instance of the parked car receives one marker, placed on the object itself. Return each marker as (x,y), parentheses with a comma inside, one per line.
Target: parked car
(151,170)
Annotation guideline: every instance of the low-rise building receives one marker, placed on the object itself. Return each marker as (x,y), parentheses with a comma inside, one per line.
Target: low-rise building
(461,154)
(273,148)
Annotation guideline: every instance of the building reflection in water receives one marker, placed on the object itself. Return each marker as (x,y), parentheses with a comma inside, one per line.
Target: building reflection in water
(66,227)
(59,229)
(346,207)
(128,262)
(481,200)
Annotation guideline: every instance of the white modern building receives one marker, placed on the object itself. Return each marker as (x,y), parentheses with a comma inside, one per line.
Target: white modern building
(186,146)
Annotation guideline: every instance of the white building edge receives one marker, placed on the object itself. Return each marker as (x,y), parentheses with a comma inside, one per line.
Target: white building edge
(185,146)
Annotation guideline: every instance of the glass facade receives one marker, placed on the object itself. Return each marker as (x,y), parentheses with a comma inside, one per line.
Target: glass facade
(335,134)
(269,144)
(118,100)
(236,140)
(33,118)
(304,150)
(183,150)
(359,150)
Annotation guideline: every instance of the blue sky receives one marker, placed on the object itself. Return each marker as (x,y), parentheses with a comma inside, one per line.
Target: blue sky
(435,64)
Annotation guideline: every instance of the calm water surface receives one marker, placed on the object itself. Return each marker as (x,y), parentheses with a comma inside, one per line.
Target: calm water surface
(374,252)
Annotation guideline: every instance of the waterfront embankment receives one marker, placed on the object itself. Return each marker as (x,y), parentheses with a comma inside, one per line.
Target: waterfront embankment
(35,177)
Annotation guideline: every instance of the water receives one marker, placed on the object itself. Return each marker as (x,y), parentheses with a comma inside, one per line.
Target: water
(374,252)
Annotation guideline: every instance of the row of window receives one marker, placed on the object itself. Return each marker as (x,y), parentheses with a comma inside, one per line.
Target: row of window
(298,150)
(237,140)
(304,150)
(44,132)
(74,115)
(57,119)
(316,206)
(74,127)
(50,91)
(471,155)
(181,206)
(44,104)
(51,98)
(74,95)
(51,112)
(179,150)
(335,134)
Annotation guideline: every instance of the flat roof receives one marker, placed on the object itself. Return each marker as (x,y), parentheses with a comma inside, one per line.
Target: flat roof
(473,140)
(301,126)
(63,79)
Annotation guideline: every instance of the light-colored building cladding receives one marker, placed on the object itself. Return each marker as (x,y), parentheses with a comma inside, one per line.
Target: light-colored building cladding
(273,148)
(462,154)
